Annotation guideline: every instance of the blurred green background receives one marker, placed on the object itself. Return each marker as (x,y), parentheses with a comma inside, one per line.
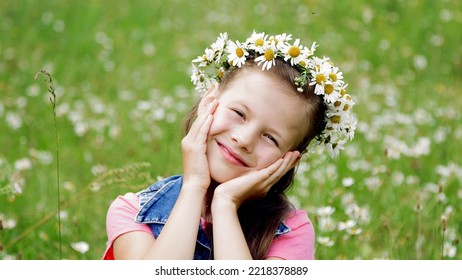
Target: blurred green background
(121,71)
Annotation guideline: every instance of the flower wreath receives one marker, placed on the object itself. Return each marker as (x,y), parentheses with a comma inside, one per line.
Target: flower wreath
(225,55)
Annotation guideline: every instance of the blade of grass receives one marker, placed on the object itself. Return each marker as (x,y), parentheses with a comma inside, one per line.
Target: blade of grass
(51,89)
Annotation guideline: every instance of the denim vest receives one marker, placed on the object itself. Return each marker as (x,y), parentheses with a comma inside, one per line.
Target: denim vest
(156,203)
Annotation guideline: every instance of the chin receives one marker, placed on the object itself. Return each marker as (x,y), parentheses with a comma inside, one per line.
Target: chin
(219,175)
(221,178)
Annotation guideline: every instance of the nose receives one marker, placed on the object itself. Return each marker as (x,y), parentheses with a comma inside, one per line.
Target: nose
(246,137)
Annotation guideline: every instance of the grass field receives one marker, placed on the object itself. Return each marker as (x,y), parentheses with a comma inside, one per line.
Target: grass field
(121,72)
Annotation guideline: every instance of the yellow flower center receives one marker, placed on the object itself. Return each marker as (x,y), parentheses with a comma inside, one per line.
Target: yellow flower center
(259,42)
(328,89)
(294,51)
(239,52)
(337,103)
(335,119)
(333,77)
(342,92)
(220,73)
(302,63)
(346,107)
(269,55)
(320,78)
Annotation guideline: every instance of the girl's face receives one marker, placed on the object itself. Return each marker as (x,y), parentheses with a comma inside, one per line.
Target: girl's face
(258,120)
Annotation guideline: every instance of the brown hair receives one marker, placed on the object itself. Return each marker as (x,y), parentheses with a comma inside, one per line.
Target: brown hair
(260,218)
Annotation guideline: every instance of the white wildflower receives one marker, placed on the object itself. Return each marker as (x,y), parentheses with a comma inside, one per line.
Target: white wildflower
(13,120)
(326,223)
(325,211)
(326,241)
(23,164)
(9,223)
(354,231)
(81,247)
(348,181)
(449,250)
(346,225)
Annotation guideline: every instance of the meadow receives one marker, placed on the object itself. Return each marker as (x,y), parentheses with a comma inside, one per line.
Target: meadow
(121,76)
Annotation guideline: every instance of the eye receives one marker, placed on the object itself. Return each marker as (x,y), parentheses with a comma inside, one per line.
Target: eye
(239,113)
(272,139)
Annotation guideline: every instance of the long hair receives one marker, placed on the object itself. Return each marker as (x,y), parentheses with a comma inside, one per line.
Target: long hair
(260,217)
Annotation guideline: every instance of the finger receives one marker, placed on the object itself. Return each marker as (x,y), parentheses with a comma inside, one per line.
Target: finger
(211,107)
(202,118)
(293,159)
(290,160)
(280,169)
(267,174)
(214,106)
(203,132)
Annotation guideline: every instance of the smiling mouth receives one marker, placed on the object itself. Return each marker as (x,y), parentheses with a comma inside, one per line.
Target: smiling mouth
(230,156)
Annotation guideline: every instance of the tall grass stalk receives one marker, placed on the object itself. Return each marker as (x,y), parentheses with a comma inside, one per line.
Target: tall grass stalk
(420,236)
(52,98)
(444,221)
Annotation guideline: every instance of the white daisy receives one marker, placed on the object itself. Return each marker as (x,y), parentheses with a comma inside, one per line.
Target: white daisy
(350,128)
(237,53)
(221,42)
(268,57)
(319,69)
(281,40)
(316,63)
(336,120)
(257,42)
(310,51)
(334,148)
(293,52)
(335,75)
(347,102)
(201,60)
(219,46)
(331,92)
(197,75)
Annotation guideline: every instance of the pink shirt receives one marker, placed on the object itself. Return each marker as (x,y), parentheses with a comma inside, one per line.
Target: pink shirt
(298,244)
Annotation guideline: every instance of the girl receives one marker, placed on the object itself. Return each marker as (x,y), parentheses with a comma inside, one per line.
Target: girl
(262,104)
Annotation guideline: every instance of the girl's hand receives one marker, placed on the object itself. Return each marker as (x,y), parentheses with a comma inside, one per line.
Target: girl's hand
(254,184)
(194,146)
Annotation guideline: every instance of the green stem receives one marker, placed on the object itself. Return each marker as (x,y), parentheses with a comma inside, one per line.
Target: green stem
(51,90)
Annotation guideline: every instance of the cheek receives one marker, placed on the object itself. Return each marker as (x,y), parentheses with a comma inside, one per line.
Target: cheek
(220,122)
(267,156)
